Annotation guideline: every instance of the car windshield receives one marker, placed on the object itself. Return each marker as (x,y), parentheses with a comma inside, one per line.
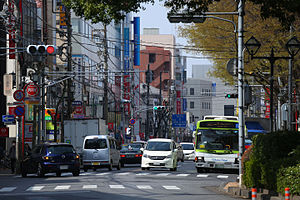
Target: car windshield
(217,139)
(135,147)
(158,146)
(187,146)
(60,149)
(95,144)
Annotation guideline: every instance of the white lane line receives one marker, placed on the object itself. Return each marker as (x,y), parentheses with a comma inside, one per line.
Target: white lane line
(163,174)
(62,187)
(102,174)
(35,188)
(89,186)
(123,174)
(221,176)
(142,174)
(202,175)
(145,187)
(182,174)
(117,186)
(171,187)
(85,174)
(7,189)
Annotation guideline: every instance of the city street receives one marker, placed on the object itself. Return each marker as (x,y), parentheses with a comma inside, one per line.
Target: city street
(128,183)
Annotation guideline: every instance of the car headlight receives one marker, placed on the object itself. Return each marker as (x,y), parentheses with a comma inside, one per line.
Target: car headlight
(145,155)
(169,156)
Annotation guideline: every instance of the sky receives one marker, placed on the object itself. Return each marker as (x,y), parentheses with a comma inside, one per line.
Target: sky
(155,16)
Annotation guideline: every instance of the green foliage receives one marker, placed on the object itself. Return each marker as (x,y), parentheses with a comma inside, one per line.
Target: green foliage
(271,154)
(289,177)
(104,11)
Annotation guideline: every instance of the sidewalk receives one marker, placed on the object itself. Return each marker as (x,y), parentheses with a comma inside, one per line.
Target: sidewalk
(6,172)
(233,188)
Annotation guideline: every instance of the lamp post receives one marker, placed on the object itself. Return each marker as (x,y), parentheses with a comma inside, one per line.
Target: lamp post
(293,46)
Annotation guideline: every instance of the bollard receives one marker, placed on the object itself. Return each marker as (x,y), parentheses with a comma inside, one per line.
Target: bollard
(287,193)
(254,193)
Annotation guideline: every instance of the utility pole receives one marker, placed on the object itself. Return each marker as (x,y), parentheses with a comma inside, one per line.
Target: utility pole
(105,107)
(69,66)
(148,92)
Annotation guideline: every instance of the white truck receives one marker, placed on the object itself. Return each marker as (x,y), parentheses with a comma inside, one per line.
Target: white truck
(75,131)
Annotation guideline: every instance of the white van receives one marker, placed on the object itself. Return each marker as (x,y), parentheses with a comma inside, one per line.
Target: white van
(160,153)
(100,151)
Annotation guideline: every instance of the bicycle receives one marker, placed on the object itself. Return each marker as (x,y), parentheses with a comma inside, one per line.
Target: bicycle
(5,163)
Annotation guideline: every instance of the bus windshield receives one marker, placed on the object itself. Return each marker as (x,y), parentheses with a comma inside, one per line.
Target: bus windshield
(208,139)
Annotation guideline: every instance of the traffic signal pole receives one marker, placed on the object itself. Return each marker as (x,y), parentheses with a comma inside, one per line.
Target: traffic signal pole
(148,92)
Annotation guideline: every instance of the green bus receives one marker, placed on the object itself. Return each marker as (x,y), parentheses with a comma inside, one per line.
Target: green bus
(217,144)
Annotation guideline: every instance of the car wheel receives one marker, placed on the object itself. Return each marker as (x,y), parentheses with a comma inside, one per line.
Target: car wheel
(40,171)
(76,173)
(143,168)
(119,166)
(85,168)
(122,164)
(58,174)
(110,166)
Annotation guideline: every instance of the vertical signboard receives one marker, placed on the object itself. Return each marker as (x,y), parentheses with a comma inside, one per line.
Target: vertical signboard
(62,17)
(8,84)
(126,81)
(118,91)
(267,103)
(178,102)
(11,29)
(136,26)
(126,49)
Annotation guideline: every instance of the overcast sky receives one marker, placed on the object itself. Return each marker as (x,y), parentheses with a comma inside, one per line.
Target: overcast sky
(156,17)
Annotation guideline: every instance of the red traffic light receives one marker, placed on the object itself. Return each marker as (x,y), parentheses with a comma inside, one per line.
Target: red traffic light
(40,50)
(50,49)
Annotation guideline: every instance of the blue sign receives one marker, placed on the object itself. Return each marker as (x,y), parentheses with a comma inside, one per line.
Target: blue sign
(20,111)
(179,120)
(132,121)
(126,49)
(136,27)
(184,104)
(8,118)
(77,103)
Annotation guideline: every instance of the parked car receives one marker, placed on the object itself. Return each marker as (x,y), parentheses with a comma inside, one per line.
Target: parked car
(51,157)
(160,153)
(188,150)
(100,151)
(180,155)
(131,153)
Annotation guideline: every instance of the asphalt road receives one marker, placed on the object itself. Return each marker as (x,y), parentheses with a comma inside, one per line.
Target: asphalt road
(128,183)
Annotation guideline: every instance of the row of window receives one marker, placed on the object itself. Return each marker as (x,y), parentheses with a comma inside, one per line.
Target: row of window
(204,92)
(205,105)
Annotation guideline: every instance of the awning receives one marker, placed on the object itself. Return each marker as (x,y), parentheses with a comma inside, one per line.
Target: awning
(255,127)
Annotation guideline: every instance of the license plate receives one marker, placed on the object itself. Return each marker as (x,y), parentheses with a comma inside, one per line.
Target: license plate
(219,165)
(95,163)
(64,167)
(158,164)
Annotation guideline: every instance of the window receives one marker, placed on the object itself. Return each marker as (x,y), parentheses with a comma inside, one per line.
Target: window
(152,58)
(192,104)
(192,91)
(95,144)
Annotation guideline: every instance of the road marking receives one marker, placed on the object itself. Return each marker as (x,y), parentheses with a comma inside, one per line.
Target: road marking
(35,188)
(7,189)
(85,173)
(170,187)
(123,174)
(182,174)
(102,174)
(62,187)
(117,186)
(142,174)
(221,176)
(163,174)
(89,187)
(202,175)
(146,187)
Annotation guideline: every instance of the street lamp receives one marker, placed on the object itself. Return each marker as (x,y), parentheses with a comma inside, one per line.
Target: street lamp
(293,46)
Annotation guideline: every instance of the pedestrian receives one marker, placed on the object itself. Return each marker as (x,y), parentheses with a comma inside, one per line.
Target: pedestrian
(12,156)
(27,149)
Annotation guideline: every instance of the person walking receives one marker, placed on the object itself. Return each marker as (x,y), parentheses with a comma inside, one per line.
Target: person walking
(13,157)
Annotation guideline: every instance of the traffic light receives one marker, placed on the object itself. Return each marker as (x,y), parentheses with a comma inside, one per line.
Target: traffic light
(159,108)
(128,131)
(149,76)
(231,96)
(40,50)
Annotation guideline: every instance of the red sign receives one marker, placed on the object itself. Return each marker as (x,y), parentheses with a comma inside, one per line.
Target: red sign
(110,126)
(178,106)
(78,109)
(4,132)
(11,110)
(32,90)
(19,95)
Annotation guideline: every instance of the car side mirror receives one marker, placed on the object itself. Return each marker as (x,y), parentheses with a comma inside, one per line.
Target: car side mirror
(142,149)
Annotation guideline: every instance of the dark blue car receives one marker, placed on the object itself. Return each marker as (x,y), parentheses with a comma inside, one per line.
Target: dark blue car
(49,158)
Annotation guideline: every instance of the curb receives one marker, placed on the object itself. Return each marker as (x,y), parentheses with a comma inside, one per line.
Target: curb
(233,188)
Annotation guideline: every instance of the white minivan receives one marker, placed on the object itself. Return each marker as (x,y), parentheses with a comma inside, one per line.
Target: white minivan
(100,151)
(160,153)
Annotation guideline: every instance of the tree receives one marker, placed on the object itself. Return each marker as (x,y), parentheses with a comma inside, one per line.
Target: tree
(104,11)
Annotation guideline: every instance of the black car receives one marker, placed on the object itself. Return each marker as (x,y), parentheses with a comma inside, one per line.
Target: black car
(51,157)
(131,154)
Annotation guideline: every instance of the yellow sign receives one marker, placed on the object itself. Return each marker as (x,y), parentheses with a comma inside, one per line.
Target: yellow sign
(47,115)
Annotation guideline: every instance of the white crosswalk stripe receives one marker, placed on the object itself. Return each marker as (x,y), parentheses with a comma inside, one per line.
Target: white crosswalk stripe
(182,174)
(62,187)
(102,174)
(171,187)
(116,186)
(162,174)
(35,188)
(142,174)
(146,187)
(89,187)
(202,175)
(123,174)
(7,189)
(221,176)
